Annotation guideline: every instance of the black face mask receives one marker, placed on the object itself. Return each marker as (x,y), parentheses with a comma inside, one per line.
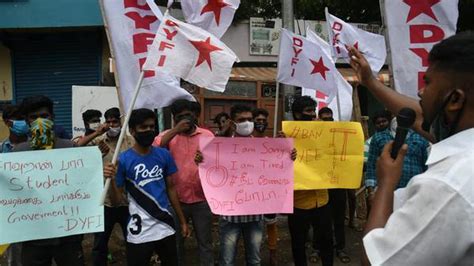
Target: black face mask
(145,138)
(306,117)
(260,127)
(439,127)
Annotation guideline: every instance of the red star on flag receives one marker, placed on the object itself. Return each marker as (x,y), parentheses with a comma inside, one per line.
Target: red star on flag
(421,6)
(319,67)
(214,6)
(205,49)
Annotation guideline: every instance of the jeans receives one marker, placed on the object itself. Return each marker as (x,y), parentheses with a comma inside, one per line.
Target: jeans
(140,254)
(298,224)
(112,215)
(229,236)
(201,216)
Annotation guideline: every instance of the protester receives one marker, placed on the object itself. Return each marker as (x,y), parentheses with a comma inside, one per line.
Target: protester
(17,127)
(220,120)
(429,222)
(414,163)
(94,129)
(65,251)
(115,205)
(325,114)
(18,130)
(381,121)
(183,142)
(260,117)
(310,206)
(337,203)
(148,175)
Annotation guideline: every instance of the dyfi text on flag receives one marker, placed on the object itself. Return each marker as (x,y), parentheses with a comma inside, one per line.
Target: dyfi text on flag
(214,16)
(344,89)
(303,63)
(342,35)
(191,53)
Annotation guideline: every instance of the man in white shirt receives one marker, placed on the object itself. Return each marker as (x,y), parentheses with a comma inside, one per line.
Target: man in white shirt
(431,221)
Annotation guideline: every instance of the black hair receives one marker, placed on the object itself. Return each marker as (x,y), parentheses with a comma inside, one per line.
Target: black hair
(382,114)
(139,116)
(181,105)
(33,103)
(113,112)
(11,111)
(218,117)
(301,102)
(454,54)
(89,114)
(324,110)
(238,109)
(260,111)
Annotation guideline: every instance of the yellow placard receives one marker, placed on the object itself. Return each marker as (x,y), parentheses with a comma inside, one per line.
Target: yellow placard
(3,248)
(330,154)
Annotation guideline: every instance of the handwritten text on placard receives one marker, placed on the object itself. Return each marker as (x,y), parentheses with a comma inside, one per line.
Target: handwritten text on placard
(330,154)
(242,176)
(53,193)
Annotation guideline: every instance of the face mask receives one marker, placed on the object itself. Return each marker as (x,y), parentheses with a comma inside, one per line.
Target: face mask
(244,128)
(114,132)
(145,138)
(42,134)
(439,127)
(306,117)
(260,127)
(19,127)
(94,126)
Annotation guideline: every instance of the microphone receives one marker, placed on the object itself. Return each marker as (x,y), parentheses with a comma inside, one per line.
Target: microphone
(405,119)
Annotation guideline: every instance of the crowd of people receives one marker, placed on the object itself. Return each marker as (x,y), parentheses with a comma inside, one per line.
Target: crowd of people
(156,191)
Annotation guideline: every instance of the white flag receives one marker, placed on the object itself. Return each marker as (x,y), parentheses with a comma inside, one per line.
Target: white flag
(303,63)
(191,53)
(414,26)
(342,35)
(132,26)
(344,89)
(214,16)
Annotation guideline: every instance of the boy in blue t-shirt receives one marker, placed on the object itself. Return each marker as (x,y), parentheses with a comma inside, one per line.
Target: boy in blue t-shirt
(146,172)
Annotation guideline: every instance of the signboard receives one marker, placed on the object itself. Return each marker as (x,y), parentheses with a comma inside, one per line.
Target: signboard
(242,176)
(52,193)
(330,154)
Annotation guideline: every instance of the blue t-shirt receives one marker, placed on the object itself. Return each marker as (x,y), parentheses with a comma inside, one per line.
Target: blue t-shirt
(144,178)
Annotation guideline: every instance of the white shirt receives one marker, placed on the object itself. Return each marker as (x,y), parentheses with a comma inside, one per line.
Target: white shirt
(433,218)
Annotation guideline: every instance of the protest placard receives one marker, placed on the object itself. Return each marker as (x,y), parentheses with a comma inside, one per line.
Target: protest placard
(52,193)
(243,176)
(330,154)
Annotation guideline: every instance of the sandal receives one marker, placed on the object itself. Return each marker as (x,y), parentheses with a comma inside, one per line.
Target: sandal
(342,256)
(314,257)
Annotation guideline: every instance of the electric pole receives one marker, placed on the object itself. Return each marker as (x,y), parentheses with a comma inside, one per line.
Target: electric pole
(288,17)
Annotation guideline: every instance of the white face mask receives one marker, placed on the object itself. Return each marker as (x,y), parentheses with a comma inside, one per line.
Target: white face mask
(94,126)
(244,129)
(114,131)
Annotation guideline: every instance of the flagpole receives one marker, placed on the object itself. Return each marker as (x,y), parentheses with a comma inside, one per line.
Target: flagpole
(123,132)
(383,15)
(275,116)
(338,101)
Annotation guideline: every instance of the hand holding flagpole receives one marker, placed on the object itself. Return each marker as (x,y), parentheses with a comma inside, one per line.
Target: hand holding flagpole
(122,134)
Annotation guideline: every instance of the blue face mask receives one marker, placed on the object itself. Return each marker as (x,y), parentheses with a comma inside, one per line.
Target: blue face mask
(19,127)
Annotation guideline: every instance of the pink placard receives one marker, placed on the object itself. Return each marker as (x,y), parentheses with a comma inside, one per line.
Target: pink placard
(242,176)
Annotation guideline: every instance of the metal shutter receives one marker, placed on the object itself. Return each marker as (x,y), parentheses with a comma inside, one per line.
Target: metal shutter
(50,63)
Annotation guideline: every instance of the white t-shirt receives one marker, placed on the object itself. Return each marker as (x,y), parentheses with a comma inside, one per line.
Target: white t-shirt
(433,218)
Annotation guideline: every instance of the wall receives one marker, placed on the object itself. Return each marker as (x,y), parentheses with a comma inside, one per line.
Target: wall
(49,13)
(6,91)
